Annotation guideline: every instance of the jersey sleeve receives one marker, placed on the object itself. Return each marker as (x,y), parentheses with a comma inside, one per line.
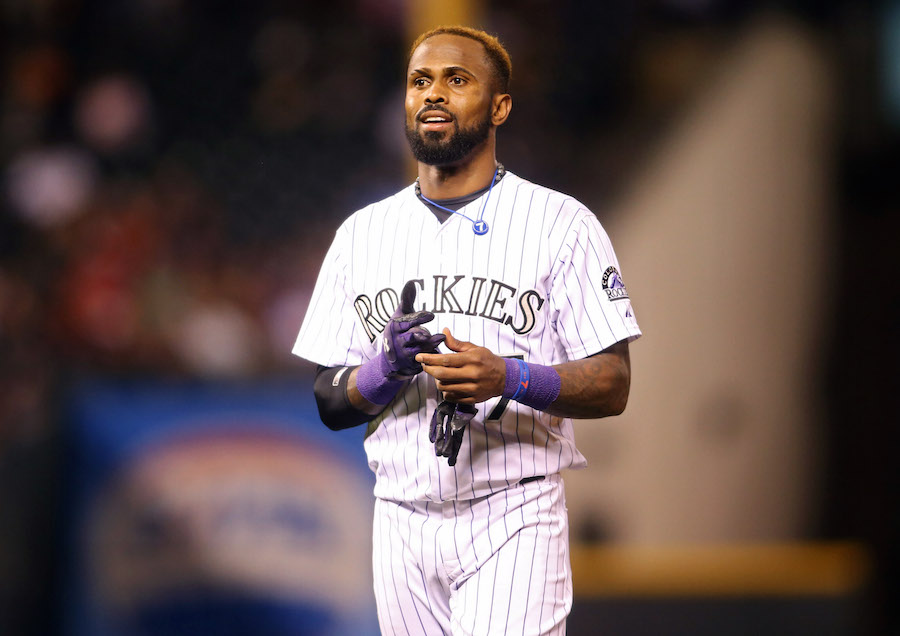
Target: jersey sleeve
(329,333)
(589,300)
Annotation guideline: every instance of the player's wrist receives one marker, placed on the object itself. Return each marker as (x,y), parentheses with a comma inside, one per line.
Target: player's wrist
(374,384)
(534,385)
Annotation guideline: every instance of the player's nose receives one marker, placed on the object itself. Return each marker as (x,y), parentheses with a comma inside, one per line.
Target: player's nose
(435,94)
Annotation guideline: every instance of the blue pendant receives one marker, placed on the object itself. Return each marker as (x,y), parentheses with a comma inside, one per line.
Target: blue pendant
(480,227)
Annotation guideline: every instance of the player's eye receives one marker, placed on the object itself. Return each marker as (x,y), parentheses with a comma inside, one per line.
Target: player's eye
(420,82)
(456,80)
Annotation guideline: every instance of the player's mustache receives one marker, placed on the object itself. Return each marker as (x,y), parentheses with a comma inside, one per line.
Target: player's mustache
(431,109)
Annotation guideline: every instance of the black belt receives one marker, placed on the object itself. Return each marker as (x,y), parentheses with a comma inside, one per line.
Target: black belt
(535,478)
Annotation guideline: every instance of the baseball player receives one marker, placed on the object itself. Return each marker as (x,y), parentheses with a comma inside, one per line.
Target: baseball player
(468,319)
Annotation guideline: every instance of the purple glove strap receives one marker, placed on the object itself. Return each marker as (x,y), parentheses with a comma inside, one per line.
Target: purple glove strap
(373,385)
(384,365)
(533,385)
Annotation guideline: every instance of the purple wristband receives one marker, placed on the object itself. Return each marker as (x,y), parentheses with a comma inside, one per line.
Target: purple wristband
(512,377)
(533,385)
(373,385)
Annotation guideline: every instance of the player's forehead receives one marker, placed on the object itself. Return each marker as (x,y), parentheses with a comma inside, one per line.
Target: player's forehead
(446,50)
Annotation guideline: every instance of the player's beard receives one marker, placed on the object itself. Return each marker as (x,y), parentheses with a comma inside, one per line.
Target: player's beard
(440,149)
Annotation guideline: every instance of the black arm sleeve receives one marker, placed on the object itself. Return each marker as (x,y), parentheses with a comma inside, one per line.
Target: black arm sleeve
(335,410)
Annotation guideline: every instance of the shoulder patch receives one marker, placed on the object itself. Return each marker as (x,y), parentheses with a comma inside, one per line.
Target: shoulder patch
(613,285)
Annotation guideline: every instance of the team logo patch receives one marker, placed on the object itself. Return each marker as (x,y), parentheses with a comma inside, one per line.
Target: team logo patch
(613,285)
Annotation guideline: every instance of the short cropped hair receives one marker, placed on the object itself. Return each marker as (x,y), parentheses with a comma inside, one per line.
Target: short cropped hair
(496,53)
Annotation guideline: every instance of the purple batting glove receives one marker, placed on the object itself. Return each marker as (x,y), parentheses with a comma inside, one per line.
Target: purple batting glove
(448,426)
(379,379)
(404,338)
(439,418)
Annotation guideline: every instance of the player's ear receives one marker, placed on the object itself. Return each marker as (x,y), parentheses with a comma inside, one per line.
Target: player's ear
(500,106)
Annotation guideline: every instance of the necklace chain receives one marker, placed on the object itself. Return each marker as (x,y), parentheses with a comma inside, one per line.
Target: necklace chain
(479,226)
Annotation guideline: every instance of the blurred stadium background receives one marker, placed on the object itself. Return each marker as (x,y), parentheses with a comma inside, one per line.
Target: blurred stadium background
(172,173)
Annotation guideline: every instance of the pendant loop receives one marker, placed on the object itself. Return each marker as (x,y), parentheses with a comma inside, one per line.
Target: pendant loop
(480,227)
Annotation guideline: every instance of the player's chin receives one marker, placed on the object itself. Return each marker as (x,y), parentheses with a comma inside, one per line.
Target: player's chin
(434,137)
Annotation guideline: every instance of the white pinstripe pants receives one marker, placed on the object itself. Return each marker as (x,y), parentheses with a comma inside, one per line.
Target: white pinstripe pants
(494,565)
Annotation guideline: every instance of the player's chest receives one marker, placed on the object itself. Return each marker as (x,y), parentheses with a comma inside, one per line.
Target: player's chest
(460,277)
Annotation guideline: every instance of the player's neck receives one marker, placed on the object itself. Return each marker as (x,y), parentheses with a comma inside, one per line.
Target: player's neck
(449,182)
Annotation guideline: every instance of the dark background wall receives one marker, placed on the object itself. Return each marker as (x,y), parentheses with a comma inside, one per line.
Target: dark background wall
(173,171)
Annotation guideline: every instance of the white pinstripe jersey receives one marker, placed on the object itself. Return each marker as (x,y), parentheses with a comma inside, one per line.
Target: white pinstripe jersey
(542,284)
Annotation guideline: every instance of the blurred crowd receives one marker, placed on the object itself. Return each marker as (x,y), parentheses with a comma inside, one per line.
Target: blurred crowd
(165,182)
(173,171)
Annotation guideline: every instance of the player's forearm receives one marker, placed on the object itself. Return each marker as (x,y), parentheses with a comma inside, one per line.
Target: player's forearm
(333,401)
(356,398)
(338,398)
(594,387)
(589,388)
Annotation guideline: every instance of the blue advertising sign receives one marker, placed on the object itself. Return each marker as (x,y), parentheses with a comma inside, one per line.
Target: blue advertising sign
(215,510)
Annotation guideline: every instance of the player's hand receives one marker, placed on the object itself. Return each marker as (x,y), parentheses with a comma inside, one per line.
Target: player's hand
(404,337)
(469,375)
